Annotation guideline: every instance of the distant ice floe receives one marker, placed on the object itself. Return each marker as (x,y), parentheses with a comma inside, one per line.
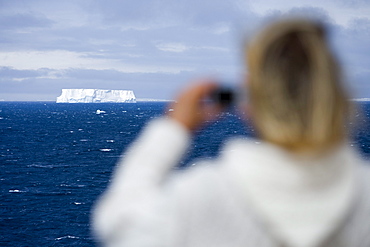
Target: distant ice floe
(361,99)
(100,112)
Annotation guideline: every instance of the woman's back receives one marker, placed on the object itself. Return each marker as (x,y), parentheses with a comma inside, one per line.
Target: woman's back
(253,195)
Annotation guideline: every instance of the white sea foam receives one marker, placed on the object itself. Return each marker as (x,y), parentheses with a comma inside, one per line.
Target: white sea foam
(105,149)
(110,140)
(72,185)
(15,191)
(41,166)
(68,236)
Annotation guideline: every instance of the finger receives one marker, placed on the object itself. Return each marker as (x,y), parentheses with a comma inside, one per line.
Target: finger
(204,89)
(212,111)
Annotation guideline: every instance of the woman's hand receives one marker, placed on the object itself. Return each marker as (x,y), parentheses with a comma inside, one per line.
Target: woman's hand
(190,110)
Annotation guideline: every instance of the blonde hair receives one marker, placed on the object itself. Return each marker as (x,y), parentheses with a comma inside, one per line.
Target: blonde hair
(295,89)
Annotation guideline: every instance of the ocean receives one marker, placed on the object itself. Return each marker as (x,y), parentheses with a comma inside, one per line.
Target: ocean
(56,159)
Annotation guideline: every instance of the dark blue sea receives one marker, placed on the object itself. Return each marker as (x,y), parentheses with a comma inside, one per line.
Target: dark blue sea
(56,159)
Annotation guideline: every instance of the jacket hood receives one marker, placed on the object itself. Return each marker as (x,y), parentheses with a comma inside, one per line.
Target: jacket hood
(301,199)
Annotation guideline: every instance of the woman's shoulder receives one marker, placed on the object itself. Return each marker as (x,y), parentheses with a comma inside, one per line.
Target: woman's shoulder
(200,175)
(364,171)
(209,171)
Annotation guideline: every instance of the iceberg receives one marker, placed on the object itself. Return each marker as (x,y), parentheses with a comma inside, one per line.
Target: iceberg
(361,99)
(96,96)
(98,112)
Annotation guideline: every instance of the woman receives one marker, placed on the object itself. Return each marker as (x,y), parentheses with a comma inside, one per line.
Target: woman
(302,186)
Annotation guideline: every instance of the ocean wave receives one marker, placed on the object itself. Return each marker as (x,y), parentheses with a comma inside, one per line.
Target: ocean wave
(41,166)
(73,185)
(16,191)
(68,236)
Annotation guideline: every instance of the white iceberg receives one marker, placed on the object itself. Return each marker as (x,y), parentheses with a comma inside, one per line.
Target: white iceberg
(361,99)
(100,112)
(96,96)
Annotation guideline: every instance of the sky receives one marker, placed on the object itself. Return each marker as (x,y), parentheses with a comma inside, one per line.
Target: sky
(156,47)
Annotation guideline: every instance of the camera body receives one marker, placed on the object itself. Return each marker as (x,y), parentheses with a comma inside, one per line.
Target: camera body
(224,96)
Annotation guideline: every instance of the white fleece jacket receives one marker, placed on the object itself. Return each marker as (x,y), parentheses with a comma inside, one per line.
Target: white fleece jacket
(252,195)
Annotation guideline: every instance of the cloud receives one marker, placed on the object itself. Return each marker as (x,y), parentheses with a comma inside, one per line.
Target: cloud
(164,13)
(9,74)
(40,84)
(172,47)
(353,42)
(152,43)
(349,42)
(341,11)
(62,60)
(353,3)
(23,21)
